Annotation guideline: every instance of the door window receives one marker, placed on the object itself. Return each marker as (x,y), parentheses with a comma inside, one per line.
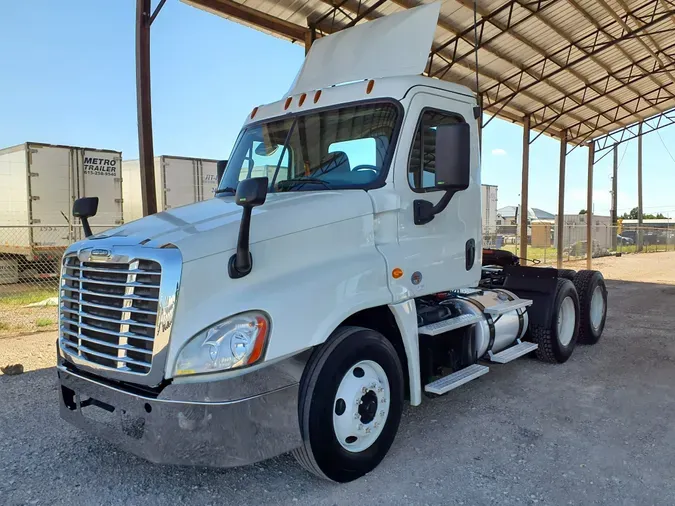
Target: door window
(422,164)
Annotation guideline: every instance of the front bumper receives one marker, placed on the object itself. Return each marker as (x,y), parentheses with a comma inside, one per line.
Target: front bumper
(219,434)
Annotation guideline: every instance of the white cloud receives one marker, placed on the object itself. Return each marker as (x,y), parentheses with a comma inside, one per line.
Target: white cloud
(499,152)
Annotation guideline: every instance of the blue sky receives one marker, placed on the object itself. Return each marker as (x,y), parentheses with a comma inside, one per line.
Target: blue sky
(68,77)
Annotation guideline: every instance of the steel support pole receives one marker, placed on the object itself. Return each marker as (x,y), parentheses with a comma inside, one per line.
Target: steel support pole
(615,172)
(480,125)
(589,207)
(639,185)
(559,229)
(143,106)
(524,214)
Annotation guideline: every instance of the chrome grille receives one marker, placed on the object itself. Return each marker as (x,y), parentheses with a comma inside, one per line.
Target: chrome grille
(108,312)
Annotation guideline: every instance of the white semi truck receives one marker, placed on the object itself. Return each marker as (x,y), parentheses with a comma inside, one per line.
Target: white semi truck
(300,310)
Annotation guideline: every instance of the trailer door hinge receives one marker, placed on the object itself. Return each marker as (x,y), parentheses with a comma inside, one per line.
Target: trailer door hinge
(119,201)
(35,222)
(33,151)
(119,222)
(118,180)
(35,197)
(34,174)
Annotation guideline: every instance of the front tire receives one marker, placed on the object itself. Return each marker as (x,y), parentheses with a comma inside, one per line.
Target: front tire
(351,398)
(558,338)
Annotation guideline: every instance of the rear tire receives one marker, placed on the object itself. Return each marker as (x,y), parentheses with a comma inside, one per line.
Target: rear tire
(350,403)
(592,292)
(558,338)
(567,274)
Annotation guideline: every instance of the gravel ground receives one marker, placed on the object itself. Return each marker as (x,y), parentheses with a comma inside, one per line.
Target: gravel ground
(596,430)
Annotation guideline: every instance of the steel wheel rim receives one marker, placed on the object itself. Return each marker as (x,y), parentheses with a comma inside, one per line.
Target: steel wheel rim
(597,308)
(361,406)
(566,321)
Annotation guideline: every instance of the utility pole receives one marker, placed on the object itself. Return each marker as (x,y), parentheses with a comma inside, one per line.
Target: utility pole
(614,196)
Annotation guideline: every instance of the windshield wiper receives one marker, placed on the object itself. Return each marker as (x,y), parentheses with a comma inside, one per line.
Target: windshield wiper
(226,190)
(294,181)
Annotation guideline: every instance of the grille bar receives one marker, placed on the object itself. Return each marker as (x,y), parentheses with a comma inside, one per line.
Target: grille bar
(122,335)
(104,306)
(132,284)
(112,295)
(119,321)
(113,271)
(85,337)
(95,353)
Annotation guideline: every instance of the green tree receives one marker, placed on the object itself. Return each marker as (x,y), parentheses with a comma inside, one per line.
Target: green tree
(583,211)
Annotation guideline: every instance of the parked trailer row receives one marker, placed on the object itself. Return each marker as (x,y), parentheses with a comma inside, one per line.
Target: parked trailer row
(39,183)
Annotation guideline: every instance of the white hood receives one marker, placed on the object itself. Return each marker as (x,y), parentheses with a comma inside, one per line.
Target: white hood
(212,226)
(394,45)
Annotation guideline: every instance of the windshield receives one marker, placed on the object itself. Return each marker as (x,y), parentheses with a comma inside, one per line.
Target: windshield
(338,148)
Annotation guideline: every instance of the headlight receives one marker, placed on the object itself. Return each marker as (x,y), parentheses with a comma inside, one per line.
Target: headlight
(235,342)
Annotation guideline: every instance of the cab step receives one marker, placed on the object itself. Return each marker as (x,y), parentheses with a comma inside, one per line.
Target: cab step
(512,353)
(456,379)
(433,329)
(505,307)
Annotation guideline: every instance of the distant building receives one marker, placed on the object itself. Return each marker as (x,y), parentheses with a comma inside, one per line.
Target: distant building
(508,220)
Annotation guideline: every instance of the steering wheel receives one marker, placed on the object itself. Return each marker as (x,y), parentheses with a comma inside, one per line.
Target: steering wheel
(360,168)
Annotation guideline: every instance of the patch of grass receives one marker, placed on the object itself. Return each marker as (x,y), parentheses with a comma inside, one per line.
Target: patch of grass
(44,322)
(4,326)
(28,296)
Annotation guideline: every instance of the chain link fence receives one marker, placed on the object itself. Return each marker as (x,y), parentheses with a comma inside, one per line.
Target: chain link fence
(607,240)
(30,258)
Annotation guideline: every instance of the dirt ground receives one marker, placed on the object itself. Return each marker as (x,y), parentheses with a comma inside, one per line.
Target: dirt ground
(596,430)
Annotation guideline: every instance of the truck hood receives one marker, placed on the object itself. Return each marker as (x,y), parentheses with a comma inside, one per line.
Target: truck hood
(212,226)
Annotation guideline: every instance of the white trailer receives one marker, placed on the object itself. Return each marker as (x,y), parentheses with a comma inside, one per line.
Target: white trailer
(489,214)
(38,185)
(178,181)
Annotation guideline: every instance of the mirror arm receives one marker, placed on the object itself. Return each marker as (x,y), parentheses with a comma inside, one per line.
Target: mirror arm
(85,226)
(241,262)
(424,211)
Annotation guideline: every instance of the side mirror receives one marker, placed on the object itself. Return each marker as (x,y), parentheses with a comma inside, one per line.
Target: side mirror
(84,209)
(250,193)
(221,165)
(453,156)
(452,169)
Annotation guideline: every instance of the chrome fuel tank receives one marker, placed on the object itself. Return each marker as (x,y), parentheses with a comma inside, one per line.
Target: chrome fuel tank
(492,334)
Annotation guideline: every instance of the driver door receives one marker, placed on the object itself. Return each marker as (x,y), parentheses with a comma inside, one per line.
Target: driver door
(445,253)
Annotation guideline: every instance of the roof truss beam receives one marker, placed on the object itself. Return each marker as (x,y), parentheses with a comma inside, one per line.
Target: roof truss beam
(630,132)
(353,7)
(253,16)
(509,28)
(625,77)
(566,53)
(644,102)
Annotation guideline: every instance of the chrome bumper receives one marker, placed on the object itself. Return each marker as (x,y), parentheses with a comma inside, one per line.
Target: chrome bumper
(218,434)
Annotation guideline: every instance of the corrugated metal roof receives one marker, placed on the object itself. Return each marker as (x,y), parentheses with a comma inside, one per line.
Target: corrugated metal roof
(590,67)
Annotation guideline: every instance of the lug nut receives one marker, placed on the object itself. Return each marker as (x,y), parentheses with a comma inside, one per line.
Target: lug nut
(360,426)
(356,416)
(368,430)
(381,413)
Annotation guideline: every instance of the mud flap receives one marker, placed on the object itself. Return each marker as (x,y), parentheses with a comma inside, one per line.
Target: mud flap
(537,284)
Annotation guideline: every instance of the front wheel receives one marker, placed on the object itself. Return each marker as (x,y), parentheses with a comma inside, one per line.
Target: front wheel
(351,398)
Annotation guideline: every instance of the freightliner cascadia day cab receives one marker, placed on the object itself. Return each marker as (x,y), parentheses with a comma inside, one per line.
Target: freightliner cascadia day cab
(335,276)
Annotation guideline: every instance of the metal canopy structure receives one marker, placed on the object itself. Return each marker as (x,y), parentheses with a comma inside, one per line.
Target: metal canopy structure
(587,67)
(592,73)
